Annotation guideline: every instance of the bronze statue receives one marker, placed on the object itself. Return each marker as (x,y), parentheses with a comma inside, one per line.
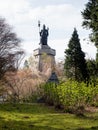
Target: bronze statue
(43,35)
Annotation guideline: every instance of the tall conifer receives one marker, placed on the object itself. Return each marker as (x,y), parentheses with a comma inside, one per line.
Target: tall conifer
(75,63)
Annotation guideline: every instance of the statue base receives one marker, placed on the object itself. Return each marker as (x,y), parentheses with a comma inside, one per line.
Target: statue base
(45,57)
(44,49)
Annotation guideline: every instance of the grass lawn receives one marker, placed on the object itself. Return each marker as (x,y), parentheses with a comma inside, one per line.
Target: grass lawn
(41,117)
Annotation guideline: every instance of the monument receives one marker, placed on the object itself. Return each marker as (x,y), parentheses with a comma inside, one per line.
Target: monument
(44,55)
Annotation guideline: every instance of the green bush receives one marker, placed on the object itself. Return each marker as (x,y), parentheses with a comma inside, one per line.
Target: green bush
(71,95)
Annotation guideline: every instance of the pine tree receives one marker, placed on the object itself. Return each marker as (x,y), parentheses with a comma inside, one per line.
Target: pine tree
(75,63)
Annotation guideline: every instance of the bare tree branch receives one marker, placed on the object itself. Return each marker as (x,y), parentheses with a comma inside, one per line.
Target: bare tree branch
(10,52)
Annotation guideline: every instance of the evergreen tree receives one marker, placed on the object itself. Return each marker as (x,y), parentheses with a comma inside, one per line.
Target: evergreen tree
(75,63)
(90,16)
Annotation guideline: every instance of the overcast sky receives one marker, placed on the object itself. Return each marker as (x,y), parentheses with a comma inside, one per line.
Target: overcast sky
(61,16)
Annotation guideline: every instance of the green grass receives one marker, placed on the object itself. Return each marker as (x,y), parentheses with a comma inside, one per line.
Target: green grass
(41,117)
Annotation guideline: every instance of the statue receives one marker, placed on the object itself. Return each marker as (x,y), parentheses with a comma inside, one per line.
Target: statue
(43,34)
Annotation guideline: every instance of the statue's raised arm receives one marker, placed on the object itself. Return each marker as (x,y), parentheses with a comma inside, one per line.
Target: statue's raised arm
(44,35)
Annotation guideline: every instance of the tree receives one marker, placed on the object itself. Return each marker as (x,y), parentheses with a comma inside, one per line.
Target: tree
(90,16)
(92,70)
(10,52)
(75,63)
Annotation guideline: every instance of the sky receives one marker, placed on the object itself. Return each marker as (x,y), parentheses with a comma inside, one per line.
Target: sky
(61,16)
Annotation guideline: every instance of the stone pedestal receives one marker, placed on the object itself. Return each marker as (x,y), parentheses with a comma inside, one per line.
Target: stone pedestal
(45,57)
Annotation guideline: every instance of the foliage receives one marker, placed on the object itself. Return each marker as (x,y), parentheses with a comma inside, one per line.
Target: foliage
(10,52)
(23,86)
(92,70)
(91,65)
(75,63)
(90,16)
(97,62)
(41,117)
(71,95)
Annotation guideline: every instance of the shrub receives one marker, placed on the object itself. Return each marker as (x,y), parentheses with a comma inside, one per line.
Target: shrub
(71,95)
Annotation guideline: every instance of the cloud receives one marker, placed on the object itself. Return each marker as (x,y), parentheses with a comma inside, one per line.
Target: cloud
(61,17)
(14,10)
(13,5)
(58,16)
